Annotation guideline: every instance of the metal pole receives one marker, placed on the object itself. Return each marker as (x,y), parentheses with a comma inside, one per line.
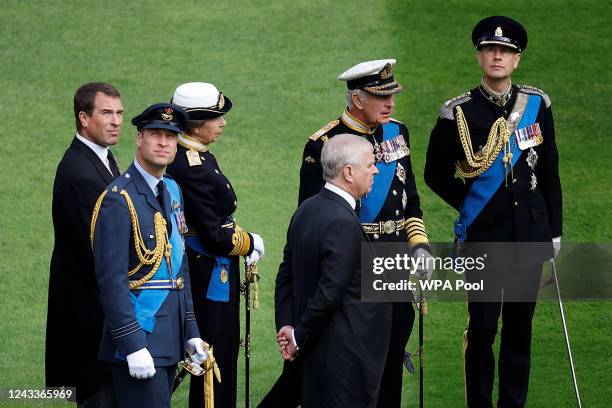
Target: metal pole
(565,333)
(247,335)
(421,313)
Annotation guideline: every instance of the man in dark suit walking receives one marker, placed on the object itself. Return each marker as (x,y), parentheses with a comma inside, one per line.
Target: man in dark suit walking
(74,319)
(339,343)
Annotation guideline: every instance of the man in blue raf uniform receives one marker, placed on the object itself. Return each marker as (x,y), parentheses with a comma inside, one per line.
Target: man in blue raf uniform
(141,268)
(391,211)
(500,139)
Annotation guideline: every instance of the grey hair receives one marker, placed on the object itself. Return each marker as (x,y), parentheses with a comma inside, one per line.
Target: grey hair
(341,150)
(363,95)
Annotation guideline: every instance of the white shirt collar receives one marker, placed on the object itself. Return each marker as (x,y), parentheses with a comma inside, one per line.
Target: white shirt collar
(100,151)
(152,181)
(342,193)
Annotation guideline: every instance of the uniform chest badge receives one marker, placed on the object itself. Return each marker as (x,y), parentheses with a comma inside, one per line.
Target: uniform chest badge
(223,277)
(179,217)
(400,172)
(394,149)
(404,199)
(532,158)
(528,136)
(193,158)
(533,182)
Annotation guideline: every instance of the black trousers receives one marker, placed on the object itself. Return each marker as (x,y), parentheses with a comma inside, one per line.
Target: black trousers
(286,391)
(515,342)
(151,393)
(219,325)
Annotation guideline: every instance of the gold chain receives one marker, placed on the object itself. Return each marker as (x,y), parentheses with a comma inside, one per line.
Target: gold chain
(477,164)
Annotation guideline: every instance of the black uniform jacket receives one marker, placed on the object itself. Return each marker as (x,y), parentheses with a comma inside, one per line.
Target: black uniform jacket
(211,203)
(402,200)
(529,208)
(74,315)
(343,342)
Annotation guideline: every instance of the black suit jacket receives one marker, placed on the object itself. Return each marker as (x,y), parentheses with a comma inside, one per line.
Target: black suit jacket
(343,342)
(74,316)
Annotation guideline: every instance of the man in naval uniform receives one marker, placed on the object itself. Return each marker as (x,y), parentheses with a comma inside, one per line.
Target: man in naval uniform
(391,212)
(141,268)
(499,138)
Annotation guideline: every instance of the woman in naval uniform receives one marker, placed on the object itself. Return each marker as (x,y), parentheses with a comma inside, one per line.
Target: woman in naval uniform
(214,240)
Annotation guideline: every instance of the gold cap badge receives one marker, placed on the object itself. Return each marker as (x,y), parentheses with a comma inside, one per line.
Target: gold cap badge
(386,72)
(167,114)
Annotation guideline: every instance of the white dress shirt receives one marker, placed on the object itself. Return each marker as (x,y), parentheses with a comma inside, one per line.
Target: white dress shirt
(100,151)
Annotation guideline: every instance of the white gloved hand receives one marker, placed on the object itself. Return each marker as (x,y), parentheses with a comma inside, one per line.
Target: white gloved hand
(196,352)
(140,364)
(253,258)
(556,246)
(425,262)
(258,245)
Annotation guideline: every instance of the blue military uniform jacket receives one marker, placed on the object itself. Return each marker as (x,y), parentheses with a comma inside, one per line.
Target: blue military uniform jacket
(115,254)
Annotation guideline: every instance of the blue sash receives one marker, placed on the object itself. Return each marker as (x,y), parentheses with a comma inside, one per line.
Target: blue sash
(487,184)
(372,203)
(149,301)
(217,290)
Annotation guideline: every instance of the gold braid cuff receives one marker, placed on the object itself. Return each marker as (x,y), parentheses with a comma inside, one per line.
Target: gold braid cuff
(415,231)
(241,242)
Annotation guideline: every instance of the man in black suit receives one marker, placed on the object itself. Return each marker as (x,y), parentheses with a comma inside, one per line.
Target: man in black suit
(74,319)
(339,343)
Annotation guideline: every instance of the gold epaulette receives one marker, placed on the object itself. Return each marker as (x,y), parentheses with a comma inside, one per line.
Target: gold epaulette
(241,241)
(535,91)
(397,121)
(317,135)
(415,231)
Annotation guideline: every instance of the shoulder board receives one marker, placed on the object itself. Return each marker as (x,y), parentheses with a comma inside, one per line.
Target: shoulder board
(316,135)
(446,111)
(397,121)
(119,184)
(535,91)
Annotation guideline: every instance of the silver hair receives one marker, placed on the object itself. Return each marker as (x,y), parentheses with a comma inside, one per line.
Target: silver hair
(341,150)
(363,95)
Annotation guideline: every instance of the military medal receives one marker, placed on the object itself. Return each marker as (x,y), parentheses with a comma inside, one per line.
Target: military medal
(532,158)
(401,173)
(193,158)
(394,149)
(179,217)
(533,182)
(223,275)
(528,136)
(378,154)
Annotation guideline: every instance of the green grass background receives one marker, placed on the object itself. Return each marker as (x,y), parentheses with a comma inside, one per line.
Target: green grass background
(278,62)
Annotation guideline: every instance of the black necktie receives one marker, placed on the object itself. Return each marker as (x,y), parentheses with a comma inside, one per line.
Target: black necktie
(358,207)
(114,168)
(160,197)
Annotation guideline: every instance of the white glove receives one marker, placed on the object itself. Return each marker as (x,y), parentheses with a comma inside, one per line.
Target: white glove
(141,364)
(253,258)
(556,246)
(258,245)
(425,262)
(195,350)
